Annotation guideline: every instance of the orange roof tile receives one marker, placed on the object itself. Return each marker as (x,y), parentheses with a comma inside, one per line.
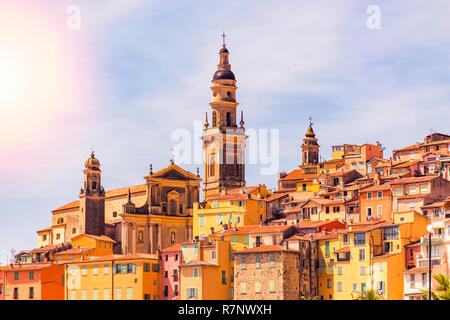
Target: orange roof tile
(101,238)
(414,179)
(114,257)
(342,250)
(175,247)
(416,269)
(270,229)
(25,266)
(298,174)
(240,230)
(412,147)
(277,195)
(73,251)
(71,205)
(381,187)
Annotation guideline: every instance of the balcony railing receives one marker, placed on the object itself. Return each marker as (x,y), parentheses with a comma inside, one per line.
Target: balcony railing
(434,239)
(328,270)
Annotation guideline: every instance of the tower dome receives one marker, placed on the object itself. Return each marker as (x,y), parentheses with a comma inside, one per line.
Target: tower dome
(92,162)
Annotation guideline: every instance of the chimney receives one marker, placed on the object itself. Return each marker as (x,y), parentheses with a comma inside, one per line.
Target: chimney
(212,230)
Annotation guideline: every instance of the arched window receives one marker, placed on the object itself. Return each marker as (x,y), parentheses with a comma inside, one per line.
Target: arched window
(172,237)
(172,206)
(228,119)
(212,167)
(94,185)
(60,220)
(214,118)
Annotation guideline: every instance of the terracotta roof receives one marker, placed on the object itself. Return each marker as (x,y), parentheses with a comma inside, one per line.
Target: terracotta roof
(114,257)
(298,174)
(45,248)
(381,187)
(364,227)
(297,237)
(101,238)
(276,195)
(314,224)
(270,229)
(414,179)
(405,164)
(342,250)
(322,236)
(412,147)
(71,205)
(416,269)
(240,230)
(234,194)
(175,247)
(25,267)
(73,251)
(340,173)
(124,191)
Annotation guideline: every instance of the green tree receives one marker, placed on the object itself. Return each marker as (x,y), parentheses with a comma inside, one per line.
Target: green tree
(442,292)
(369,295)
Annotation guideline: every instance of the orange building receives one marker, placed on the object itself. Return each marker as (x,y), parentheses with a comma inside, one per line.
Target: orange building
(34,281)
(376,201)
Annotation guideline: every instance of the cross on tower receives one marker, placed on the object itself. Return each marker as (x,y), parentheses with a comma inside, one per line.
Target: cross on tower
(310,120)
(223,36)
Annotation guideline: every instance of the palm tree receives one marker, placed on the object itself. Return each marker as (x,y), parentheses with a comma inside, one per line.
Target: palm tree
(443,290)
(369,295)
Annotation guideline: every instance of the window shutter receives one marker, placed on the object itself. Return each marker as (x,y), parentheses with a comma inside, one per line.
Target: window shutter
(187,293)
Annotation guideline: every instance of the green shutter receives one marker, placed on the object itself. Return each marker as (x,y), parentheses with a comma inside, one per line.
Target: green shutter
(327,248)
(195,293)
(187,293)
(234,238)
(245,238)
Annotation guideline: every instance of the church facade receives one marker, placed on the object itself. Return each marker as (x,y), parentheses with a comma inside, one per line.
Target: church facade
(141,219)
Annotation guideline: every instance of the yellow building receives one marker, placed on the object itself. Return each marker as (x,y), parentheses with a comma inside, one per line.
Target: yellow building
(206,272)
(371,256)
(234,207)
(113,277)
(330,165)
(85,245)
(327,244)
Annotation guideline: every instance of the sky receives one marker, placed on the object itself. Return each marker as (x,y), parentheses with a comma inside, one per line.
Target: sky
(136,71)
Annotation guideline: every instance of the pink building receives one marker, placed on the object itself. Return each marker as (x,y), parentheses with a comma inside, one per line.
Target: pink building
(171,259)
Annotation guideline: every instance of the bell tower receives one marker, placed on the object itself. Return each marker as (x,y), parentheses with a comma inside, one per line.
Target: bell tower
(224,141)
(310,147)
(92,199)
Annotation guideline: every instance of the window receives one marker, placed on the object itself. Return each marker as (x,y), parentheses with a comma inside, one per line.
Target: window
(363,289)
(362,271)
(412,281)
(391,233)
(213,255)
(360,239)
(353,165)
(166,274)
(243,287)
(355,287)
(234,238)
(329,283)
(176,290)
(31,293)
(224,277)
(327,249)
(155,267)
(257,262)
(272,286)
(83,270)
(95,270)
(245,238)
(243,264)
(58,236)
(412,189)
(257,287)
(272,261)
(339,269)
(202,221)
(195,272)
(398,191)
(361,165)
(424,280)
(327,209)
(166,291)
(379,210)
(380,195)
(84,294)
(176,257)
(369,195)
(339,286)
(219,219)
(215,204)
(118,293)
(411,203)
(362,255)
(106,294)
(16,275)
(129,293)
(423,188)
(31,276)
(345,238)
(192,293)
(369,212)
(146,267)
(115,214)
(175,274)
(73,295)
(238,220)
(95,294)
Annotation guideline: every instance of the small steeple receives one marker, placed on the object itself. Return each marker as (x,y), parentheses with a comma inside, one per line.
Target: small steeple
(206,121)
(129,197)
(151,169)
(198,172)
(242,119)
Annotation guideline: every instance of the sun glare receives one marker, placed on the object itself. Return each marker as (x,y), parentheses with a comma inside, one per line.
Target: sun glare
(14,78)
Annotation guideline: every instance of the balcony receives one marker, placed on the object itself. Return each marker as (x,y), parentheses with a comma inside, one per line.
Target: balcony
(436,239)
(328,270)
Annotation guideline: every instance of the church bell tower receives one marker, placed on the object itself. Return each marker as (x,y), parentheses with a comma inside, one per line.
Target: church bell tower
(92,199)
(224,140)
(310,147)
